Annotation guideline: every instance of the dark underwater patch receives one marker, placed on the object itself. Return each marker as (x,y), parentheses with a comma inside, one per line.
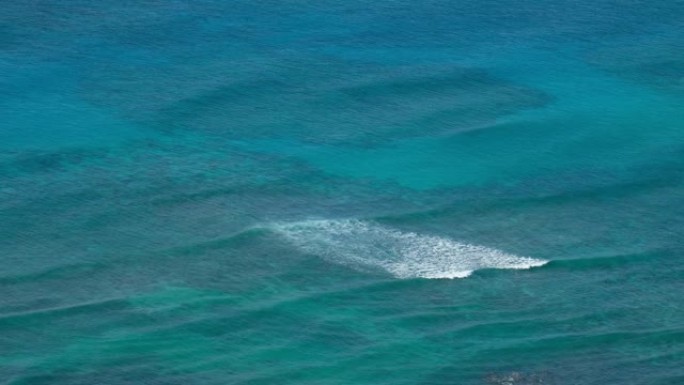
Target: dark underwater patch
(316,100)
(657,63)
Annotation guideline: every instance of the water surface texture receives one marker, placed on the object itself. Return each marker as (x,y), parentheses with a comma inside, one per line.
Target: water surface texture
(341,192)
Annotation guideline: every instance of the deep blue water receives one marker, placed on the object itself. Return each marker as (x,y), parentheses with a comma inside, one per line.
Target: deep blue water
(341,192)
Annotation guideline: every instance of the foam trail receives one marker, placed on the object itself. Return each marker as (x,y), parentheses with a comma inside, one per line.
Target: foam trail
(362,244)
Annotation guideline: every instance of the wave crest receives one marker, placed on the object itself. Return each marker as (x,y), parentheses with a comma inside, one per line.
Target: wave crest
(362,244)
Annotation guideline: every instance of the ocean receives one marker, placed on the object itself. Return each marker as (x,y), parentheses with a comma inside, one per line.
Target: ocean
(341,192)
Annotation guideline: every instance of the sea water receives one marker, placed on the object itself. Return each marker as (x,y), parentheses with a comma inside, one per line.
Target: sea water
(341,192)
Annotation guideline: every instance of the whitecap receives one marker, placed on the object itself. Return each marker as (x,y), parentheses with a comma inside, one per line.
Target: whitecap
(367,245)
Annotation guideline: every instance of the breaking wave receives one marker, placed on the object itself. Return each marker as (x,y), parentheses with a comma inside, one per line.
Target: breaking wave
(364,245)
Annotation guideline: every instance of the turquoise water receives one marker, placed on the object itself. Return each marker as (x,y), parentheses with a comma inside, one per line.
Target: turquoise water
(437,192)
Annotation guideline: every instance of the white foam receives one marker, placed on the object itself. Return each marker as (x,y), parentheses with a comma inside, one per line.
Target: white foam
(363,244)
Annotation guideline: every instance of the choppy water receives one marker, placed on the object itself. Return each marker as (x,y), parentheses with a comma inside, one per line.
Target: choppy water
(287,192)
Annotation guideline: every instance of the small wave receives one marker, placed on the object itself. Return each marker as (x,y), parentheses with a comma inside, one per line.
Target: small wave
(362,244)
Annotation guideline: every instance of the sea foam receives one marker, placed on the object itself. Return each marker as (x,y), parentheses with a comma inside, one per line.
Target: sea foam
(367,245)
